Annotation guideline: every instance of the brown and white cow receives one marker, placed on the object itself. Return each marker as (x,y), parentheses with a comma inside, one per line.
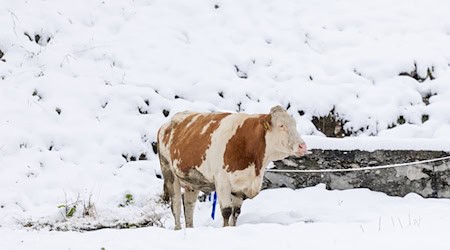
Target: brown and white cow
(225,152)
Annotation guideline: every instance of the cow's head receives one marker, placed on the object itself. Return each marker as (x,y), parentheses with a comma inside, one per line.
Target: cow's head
(282,137)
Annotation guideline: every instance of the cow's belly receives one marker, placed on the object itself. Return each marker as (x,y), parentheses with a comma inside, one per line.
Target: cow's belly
(195,180)
(243,183)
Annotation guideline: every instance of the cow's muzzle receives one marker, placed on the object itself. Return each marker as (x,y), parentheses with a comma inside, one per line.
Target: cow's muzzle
(302,150)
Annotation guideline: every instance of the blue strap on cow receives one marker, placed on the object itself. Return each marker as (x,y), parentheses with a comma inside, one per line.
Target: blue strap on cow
(213,212)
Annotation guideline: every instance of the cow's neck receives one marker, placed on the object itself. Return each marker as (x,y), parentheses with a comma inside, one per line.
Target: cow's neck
(273,156)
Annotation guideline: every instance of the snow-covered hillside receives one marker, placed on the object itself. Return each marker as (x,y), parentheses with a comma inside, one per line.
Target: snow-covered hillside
(84,86)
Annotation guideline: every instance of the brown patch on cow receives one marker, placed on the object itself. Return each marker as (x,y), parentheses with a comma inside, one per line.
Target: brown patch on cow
(247,146)
(189,144)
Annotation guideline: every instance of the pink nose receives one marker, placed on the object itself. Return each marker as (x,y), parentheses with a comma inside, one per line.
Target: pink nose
(302,148)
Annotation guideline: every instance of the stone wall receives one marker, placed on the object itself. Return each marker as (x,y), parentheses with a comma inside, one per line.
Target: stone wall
(428,180)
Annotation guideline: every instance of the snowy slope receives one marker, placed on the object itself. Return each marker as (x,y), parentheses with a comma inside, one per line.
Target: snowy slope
(84,87)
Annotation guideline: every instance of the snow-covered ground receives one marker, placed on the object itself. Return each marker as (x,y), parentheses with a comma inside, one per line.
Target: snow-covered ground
(310,218)
(84,85)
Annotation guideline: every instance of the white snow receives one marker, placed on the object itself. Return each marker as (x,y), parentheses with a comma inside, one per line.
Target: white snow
(310,218)
(87,97)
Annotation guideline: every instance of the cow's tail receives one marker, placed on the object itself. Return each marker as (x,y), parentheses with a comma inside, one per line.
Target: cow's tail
(167,176)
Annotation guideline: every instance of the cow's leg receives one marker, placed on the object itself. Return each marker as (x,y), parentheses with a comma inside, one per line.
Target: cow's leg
(176,203)
(189,199)
(223,189)
(172,189)
(226,213)
(168,177)
(237,203)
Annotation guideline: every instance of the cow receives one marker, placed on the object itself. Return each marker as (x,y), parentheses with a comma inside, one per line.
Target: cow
(222,152)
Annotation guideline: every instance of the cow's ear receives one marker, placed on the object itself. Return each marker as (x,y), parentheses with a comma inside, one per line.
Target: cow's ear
(266,122)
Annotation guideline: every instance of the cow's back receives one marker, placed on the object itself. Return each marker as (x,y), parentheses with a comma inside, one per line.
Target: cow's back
(185,139)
